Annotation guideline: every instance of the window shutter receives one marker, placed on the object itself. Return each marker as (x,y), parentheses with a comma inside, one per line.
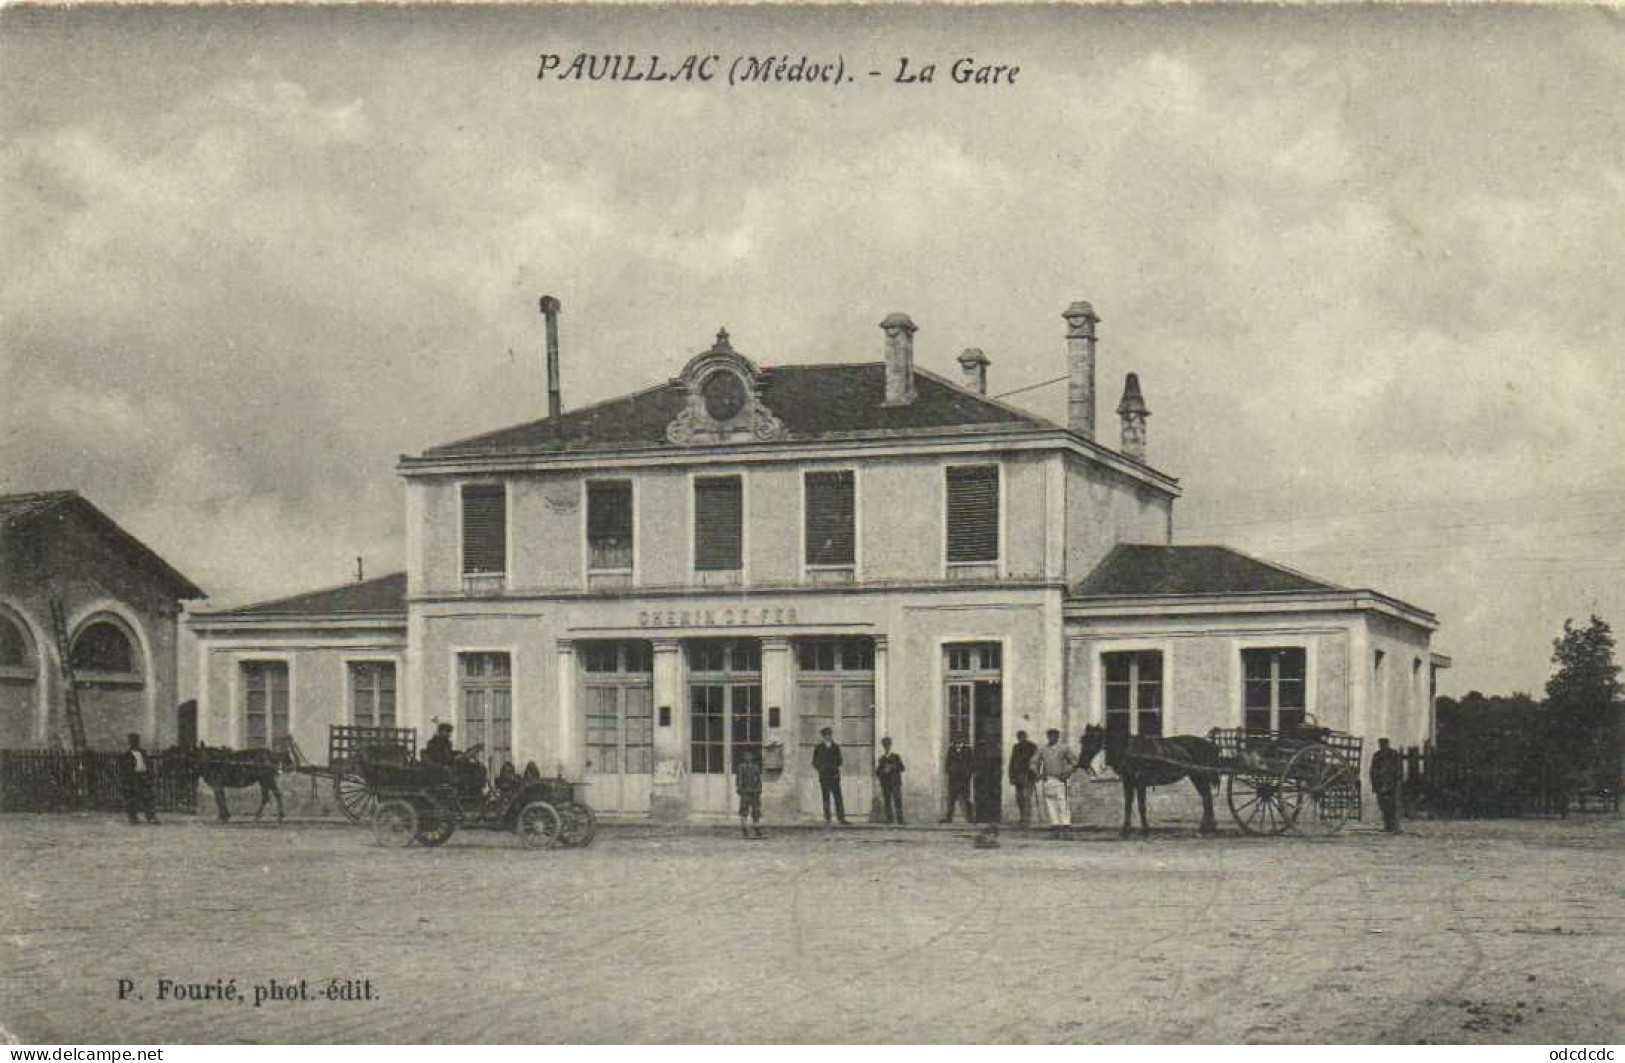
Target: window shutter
(973,513)
(485,528)
(718,528)
(831,518)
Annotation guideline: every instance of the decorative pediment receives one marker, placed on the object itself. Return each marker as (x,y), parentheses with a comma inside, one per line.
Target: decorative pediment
(723,401)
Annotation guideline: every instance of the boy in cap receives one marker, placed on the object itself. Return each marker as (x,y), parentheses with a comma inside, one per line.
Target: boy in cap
(748,784)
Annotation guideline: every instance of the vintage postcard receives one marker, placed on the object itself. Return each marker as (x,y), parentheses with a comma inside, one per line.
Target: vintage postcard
(929,524)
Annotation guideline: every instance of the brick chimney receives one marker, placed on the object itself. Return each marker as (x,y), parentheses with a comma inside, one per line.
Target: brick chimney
(1080,365)
(973,364)
(555,396)
(899,359)
(1133,412)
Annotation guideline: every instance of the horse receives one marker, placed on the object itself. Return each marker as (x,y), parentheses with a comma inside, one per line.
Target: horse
(1142,760)
(223,769)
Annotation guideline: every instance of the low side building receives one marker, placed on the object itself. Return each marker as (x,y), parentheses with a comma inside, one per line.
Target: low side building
(120,603)
(284,670)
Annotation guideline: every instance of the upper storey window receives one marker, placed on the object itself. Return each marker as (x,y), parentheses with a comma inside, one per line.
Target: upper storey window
(831,519)
(609,526)
(485,530)
(973,514)
(719,536)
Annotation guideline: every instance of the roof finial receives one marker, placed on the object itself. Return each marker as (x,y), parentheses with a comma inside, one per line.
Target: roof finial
(722,343)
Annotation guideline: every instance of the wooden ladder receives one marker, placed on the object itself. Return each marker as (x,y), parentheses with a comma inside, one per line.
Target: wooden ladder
(70,689)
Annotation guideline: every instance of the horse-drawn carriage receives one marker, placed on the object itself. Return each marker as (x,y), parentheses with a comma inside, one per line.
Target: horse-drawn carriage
(1304,779)
(417,801)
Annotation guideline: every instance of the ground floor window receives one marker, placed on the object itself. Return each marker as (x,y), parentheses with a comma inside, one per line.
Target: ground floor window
(724,703)
(1133,692)
(265,703)
(1273,688)
(372,693)
(618,701)
(485,696)
(835,688)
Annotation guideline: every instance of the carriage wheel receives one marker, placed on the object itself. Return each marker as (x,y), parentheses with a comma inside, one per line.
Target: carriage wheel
(354,799)
(395,824)
(1260,804)
(1330,790)
(580,826)
(539,826)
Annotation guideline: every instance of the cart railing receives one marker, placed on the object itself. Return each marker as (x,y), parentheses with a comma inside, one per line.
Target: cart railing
(354,745)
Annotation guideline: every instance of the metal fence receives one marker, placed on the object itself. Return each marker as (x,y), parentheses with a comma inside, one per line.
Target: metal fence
(53,780)
(1489,779)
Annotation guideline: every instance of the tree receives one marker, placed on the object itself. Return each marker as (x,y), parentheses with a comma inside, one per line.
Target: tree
(1582,698)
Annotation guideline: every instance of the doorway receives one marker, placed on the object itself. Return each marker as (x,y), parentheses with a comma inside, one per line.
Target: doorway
(975,703)
(724,717)
(617,699)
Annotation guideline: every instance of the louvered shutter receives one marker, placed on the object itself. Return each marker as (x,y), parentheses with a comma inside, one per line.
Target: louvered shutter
(973,513)
(718,524)
(485,528)
(831,518)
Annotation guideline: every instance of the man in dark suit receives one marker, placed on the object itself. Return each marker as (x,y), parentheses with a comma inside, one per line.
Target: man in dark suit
(439,750)
(826,761)
(889,773)
(1021,775)
(1386,770)
(961,769)
(137,772)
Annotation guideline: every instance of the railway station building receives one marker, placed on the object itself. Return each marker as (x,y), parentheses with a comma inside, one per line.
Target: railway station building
(632,593)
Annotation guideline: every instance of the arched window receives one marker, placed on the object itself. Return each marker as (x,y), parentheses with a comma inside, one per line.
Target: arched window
(103,646)
(15,653)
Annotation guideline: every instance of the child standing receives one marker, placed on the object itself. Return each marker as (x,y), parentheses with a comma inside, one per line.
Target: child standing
(748,782)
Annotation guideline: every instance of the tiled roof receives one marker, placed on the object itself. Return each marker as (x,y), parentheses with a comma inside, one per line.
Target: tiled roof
(1149,571)
(16,510)
(384,595)
(811,400)
(23,510)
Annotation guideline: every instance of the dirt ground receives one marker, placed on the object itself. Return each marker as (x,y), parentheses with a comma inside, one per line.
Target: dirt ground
(1454,932)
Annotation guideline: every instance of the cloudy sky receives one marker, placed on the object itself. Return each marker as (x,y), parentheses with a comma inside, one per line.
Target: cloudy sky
(1366,262)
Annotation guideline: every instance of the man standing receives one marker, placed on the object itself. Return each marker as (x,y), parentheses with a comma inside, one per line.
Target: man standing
(889,773)
(1056,764)
(1021,776)
(137,782)
(439,750)
(1386,771)
(748,783)
(827,762)
(961,769)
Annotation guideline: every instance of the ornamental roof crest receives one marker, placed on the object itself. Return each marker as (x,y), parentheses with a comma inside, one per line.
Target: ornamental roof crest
(722,400)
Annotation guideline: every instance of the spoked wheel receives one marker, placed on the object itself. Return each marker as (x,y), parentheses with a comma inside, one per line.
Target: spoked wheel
(1331,790)
(354,799)
(1261,804)
(395,824)
(539,826)
(580,826)
(437,826)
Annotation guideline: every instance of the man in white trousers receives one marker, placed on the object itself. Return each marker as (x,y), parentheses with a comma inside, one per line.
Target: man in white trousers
(1055,764)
